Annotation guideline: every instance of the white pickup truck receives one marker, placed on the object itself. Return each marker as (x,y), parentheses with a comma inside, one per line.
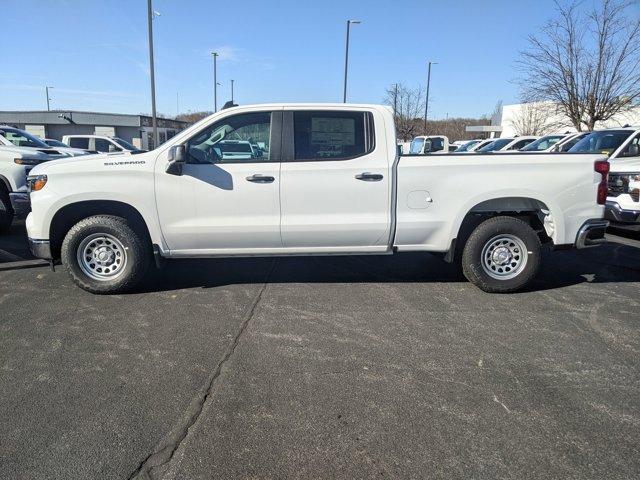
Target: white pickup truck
(328,182)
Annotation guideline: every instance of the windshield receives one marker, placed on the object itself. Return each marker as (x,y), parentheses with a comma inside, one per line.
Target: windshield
(543,143)
(495,145)
(123,144)
(416,146)
(20,138)
(466,146)
(56,143)
(566,146)
(604,141)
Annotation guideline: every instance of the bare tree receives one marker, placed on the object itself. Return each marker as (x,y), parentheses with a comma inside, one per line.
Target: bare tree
(534,118)
(192,117)
(588,64)
(454,128)
(496,116)
(409,107)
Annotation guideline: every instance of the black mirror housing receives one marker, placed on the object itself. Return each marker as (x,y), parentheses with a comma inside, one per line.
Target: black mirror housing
(177,157)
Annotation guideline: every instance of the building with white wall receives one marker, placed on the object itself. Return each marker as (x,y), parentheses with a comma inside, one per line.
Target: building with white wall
(543,117)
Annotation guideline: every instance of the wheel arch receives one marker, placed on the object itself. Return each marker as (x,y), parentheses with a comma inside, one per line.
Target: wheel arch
(532,210)
(70,214)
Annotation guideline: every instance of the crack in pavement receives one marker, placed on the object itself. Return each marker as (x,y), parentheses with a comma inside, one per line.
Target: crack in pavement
(166,448)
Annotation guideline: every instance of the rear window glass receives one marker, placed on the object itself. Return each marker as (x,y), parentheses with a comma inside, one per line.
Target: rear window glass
(329,135)
(79,143)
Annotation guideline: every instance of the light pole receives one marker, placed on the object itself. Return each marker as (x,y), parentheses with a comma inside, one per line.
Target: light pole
(346,58)
(154,120)
(48,98)
(232,90)
(215,81)
(426,103)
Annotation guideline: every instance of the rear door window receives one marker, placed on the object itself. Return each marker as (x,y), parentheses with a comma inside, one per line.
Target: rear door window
(331,135)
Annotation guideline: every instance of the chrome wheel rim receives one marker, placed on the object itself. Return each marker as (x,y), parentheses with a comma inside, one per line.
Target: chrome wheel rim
(102,256)
(504,257)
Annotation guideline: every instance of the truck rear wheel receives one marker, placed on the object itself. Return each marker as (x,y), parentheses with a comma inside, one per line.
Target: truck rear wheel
(6,211)
(104,254)
(502,255)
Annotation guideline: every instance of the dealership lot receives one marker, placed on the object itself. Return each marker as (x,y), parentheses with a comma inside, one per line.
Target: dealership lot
(322,367)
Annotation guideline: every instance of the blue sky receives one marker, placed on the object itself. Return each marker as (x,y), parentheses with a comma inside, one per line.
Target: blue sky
(94,52)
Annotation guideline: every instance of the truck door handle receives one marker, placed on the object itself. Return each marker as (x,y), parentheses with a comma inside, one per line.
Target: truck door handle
(257,178)
(369,177)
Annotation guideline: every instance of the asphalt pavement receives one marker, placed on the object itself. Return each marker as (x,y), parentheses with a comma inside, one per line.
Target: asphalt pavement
(337,367)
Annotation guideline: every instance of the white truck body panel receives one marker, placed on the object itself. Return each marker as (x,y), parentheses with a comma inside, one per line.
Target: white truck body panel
(318,207)
(456,184)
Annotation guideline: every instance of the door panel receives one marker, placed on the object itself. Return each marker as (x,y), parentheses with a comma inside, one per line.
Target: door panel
(227,198)
(331,203)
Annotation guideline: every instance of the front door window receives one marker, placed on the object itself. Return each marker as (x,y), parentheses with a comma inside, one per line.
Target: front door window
(243,138)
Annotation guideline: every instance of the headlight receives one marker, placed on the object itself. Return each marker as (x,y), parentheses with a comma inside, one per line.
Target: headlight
(27,161)
(36,182)
(621,183)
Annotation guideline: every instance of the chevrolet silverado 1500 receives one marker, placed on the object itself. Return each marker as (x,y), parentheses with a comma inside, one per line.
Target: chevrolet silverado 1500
(327,182)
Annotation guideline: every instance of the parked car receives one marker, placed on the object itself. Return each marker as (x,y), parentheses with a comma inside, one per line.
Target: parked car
(468,145)
(568,142)
(100,143)
(64,148)
(479,145)
(544,144)
(14,137)
(15,164)
(506,144)
(237,150)
(331,184)
(622,146)
(423,145)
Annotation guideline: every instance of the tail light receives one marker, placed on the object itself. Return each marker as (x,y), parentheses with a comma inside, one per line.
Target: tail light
(602,167)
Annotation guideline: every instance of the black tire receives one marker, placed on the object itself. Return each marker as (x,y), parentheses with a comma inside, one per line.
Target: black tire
(136,254)
(500,235)
(6,211)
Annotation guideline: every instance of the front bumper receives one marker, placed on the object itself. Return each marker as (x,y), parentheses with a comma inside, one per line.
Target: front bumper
(20,203)
(591,234)
(40,248)
(618,215)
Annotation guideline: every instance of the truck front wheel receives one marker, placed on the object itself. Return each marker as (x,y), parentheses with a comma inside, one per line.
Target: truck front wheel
(502,255)
(104,254)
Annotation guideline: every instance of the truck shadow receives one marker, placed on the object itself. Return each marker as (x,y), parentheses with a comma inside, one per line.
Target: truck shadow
(617,261)
(608,264)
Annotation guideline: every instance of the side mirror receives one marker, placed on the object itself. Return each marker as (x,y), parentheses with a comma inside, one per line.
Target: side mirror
(427,146)
(177,157)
